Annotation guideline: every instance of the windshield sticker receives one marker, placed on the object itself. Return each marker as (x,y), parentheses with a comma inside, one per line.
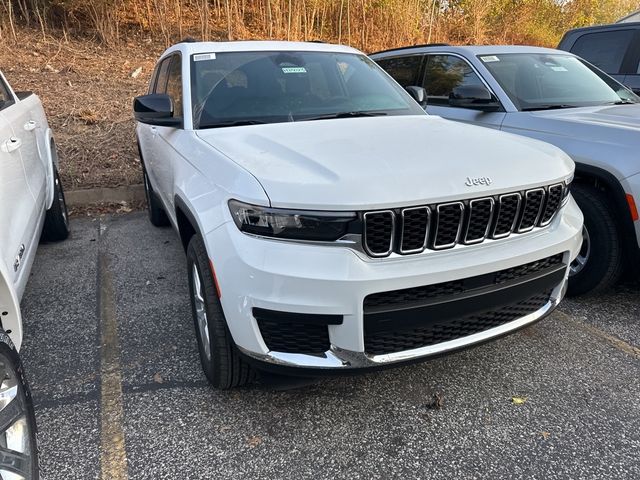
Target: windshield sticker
(294,70)
(204,56)
(489,58)
(558,69)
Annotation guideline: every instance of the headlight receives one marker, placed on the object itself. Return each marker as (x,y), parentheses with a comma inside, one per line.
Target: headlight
(291,224)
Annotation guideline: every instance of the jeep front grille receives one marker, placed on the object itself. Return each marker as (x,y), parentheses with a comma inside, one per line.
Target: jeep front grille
(441,226)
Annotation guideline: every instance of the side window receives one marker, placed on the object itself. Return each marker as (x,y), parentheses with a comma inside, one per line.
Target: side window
(404,70)
(443,74)
(174,85)
(606,50)
(154,77)
(160,84)
(5,97)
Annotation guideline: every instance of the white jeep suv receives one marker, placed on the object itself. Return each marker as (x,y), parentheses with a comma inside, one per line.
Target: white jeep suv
(330,224)
(32,206)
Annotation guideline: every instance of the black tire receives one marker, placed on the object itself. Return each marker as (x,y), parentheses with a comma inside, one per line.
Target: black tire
(19,408)
(157,215)
(604,263)
(56,221)
(223,366)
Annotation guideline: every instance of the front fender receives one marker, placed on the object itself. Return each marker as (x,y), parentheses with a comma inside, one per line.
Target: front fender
(10,316)
(47,151)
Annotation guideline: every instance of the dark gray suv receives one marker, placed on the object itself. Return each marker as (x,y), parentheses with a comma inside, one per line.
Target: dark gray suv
(613,48)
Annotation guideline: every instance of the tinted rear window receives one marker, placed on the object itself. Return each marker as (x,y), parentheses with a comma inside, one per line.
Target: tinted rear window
(606,50)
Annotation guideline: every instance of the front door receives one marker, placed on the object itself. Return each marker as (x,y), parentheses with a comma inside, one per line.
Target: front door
(17,204)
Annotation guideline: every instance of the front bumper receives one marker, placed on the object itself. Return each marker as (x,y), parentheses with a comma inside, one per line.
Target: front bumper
(313,279)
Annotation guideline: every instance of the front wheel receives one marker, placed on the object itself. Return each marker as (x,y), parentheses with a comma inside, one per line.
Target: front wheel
(56,222)
(599,263)
(157,215)
(221,361)
(18,451)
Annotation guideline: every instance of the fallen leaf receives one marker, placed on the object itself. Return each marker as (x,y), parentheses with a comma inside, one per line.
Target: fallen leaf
(436,402)
(254,441)
(158,378)
(545,435)
(518,400)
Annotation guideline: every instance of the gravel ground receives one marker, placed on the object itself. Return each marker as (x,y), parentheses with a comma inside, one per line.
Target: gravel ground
(578,369)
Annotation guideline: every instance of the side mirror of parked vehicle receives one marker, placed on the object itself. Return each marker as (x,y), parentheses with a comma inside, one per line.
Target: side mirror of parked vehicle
(155,109)
(476,97)
(419,94)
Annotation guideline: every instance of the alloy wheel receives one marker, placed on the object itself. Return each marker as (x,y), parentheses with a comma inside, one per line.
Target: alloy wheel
(201,312)
(16,448)
(583,256)
(61,201)
(147,187)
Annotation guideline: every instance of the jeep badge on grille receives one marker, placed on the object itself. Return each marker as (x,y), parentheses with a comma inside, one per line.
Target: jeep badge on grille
(478,181)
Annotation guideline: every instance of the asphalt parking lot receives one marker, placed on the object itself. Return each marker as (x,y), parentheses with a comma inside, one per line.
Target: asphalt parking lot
(111,356)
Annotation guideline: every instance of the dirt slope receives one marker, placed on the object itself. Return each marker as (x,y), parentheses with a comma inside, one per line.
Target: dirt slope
(87,91)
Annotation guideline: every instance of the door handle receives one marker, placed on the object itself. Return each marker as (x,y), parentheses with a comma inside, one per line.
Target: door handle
(11,145)
(30,126)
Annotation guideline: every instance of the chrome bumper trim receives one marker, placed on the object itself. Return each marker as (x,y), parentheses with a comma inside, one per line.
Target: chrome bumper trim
(338,358)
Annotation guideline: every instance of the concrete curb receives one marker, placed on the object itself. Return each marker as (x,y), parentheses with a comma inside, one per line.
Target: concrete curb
(93,196)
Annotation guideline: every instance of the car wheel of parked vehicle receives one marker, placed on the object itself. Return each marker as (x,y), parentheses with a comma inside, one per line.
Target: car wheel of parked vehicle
(18,451)
(56,222)
(599,264)
(157,215)
(221,362)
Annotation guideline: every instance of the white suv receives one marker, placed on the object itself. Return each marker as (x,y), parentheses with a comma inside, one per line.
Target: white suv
(330,224)
(32,206)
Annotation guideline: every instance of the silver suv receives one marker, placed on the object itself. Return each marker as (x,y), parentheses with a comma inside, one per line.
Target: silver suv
(557,97)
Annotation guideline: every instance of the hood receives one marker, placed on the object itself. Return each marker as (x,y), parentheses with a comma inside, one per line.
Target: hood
(381,162)
(615,116)
(608,124)
(605,136)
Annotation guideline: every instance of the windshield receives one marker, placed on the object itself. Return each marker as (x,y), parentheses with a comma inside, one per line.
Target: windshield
(241,88)
(541,81)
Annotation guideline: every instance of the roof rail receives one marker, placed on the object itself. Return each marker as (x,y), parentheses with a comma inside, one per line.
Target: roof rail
(413,46)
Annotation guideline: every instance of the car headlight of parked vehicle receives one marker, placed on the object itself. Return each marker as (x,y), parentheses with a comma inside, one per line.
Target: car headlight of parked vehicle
(291,224)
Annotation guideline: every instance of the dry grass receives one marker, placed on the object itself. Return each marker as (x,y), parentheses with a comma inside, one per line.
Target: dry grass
(87,91)
(78,55)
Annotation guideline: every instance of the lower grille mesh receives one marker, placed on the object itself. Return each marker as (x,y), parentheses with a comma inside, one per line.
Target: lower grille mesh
(293,337)
(380,343)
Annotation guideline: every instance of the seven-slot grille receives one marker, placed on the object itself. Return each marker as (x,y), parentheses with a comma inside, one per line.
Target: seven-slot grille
(436,227)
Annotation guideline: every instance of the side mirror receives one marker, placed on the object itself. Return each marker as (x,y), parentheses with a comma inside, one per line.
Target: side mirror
(419,94)
(155,109)
(476,97)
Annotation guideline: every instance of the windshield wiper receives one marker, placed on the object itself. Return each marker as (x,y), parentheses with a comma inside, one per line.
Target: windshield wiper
(232,123)
(347,115)
(623,102)
(548,107)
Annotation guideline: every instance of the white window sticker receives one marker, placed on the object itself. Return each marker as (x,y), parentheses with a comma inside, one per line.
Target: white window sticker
(558,69)
(294,70)
(489,58)
(204,56)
